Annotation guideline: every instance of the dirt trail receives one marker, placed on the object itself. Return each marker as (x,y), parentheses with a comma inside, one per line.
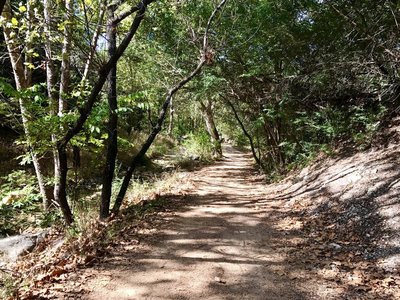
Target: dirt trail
(223,244)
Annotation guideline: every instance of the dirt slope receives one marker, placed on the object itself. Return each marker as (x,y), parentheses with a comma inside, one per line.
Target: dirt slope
(328,233)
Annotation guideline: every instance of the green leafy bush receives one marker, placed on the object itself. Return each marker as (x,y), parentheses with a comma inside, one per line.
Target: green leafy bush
(21,204)
(199,145)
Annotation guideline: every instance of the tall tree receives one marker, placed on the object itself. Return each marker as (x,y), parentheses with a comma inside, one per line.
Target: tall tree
(112,145)
(86,108)
(21,63)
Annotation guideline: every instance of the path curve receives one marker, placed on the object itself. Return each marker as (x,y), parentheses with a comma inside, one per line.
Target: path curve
(223,244)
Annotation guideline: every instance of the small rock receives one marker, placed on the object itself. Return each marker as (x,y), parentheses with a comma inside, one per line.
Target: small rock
(12,247)
(219,280)
(335,246)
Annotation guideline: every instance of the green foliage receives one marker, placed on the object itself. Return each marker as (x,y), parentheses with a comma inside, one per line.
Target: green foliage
(8,286)
(303,75)
(20,206)
(306,76)
(199,145)
(20,185)
(162,145)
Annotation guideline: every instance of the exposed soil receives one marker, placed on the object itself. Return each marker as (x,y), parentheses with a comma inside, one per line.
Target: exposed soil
(330,232)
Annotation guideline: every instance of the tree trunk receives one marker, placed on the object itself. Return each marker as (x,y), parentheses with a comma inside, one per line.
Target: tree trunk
(87,107)
(60,188)
(112,145)
(207,111)
(61,109)
(245,132)
(171,118)
(65,61)
(94,42)
(22,78)
(51,77)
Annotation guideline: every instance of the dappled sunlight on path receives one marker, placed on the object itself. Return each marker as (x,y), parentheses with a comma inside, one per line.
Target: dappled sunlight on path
(220,245)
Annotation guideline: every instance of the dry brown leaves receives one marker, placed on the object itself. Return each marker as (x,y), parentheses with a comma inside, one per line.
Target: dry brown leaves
(335,255)
(48,270)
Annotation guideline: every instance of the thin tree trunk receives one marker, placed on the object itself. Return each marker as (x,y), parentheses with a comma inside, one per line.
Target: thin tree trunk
(22,78)
(112,145)
(208,115)
(65,61)
(60,188)
(51,77)
(171,118)
(86,109)
(94,41)
(61,159)
(245,132)
(157,128)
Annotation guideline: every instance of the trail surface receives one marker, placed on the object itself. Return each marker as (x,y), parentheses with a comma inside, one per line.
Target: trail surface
(329,232)
(222,244)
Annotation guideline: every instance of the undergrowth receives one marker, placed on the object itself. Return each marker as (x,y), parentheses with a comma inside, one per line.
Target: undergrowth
(21,205)
(198,146)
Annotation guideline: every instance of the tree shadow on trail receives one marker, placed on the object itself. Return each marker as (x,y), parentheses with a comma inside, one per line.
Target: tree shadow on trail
(223,255)
(228,240)
(211,244)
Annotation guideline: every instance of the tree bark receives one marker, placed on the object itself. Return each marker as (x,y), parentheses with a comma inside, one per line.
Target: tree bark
(60,189)
(61,161)
(65,61)
(51,77)
(207,111)
(22,78)
(112,145)
(87,107)
(171,118)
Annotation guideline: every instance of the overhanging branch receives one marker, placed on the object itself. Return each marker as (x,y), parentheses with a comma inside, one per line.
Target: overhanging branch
(157,128)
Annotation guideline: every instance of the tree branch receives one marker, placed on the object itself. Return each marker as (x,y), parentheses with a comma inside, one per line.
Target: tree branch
(122,16)
(94,41)
(85,110)
(157,128)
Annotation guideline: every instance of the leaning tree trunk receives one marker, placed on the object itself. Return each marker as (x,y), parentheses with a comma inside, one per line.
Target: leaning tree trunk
(157,128)
(86,108)
(246,133)
(112,145)
(207,111)
(171,117)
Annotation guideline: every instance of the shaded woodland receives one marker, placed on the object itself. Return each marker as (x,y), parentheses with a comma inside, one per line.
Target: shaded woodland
(94,92)
(90,79)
